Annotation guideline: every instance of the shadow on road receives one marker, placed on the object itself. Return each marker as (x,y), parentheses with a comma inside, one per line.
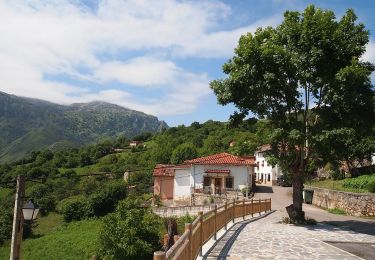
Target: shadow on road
(263,189)
(223,245)
(353,225)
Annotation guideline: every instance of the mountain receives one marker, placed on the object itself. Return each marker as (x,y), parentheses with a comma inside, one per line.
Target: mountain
(28,124)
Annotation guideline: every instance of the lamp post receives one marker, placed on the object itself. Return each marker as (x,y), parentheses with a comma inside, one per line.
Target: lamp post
(21,213)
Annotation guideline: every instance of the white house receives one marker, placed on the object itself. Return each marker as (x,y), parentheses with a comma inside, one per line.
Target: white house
(214,174)
(264,172)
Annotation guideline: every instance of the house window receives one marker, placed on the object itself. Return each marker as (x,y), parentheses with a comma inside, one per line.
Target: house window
(206,181)
(269,177)
(229,182)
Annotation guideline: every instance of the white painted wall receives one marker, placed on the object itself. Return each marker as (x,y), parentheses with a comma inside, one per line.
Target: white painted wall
(266,169)
(182,183)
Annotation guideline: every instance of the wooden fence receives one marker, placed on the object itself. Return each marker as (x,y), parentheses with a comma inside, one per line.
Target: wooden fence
(206,226)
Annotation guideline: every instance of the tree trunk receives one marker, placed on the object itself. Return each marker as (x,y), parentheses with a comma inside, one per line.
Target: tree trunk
(295,212)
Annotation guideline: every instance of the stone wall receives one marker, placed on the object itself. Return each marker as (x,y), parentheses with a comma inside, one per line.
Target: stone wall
(354,204)
(181,211)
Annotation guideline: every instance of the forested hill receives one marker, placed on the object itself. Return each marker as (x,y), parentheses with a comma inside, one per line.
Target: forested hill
(31,124)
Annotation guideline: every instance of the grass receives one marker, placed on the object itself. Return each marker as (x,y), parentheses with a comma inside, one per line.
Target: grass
(337,211)
(335,185)
(76,240)
(46,224)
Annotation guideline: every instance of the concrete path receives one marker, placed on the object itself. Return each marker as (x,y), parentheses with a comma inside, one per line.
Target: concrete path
(267,238)
(282,197)
(335,236)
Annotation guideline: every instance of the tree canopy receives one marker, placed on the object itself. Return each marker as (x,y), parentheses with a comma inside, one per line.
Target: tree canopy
(307,78)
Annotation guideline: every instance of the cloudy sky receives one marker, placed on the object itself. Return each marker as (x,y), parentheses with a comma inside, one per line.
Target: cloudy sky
(153,56)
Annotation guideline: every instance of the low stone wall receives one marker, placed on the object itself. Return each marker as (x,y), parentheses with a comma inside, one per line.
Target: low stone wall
(181,211)
(354,204)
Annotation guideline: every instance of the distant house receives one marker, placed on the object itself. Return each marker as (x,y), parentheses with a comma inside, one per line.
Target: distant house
(163,181)
(264,172)
(213,174)
(135,143)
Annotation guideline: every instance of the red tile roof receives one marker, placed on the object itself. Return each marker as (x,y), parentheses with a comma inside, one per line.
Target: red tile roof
(163,170)
(223,158)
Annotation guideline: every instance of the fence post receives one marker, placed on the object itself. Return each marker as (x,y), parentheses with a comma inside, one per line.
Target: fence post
(226,214)
(159,255)
(252,208)
(270,205)
(200,215)
(260,207)
(188,227)
(234,209)
(243,209)
(215,219)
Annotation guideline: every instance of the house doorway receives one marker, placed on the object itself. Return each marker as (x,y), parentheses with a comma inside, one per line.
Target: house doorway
(218,185)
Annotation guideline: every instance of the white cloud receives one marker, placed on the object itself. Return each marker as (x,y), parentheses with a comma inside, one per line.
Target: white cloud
(41,38)
(370,52)
(141,71)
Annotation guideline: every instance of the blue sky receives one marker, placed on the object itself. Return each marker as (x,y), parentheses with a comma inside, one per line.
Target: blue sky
(153,56)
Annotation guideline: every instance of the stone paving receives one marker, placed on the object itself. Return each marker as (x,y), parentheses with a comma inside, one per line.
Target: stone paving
(268,238)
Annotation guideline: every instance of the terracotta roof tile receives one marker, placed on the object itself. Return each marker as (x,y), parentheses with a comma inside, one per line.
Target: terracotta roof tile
(223,158)
(163,170)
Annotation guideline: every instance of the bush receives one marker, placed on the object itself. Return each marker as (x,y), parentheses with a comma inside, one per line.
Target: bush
(371,187)
(41,195)
(74,208)
(181,221)
(6,218)
(246,191)
(132,232)
(104,201)
(364,182)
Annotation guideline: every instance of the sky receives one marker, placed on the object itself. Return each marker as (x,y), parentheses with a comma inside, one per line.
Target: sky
(152,56)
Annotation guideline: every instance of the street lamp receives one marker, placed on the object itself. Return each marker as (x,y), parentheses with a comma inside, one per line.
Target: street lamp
(30,211)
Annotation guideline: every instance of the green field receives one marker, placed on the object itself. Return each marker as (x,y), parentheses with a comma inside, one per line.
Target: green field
(77,240)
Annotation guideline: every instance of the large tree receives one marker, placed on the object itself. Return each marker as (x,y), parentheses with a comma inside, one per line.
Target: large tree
(306,77)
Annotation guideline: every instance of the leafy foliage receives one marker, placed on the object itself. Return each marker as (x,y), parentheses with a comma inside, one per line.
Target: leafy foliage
(306,77)
(132,232)
(361,182)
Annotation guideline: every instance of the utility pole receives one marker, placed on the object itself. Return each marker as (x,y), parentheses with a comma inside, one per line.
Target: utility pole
(17,229)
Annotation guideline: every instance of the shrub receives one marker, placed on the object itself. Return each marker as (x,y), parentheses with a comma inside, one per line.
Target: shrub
(181,221)
(74,208)
(361,182)
(6,217)
(131,232)
(104,201)
(246,191)
(41,195)
(371,187)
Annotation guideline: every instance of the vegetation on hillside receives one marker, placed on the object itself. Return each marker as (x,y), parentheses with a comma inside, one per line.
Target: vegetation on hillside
(29,124)
(76,185)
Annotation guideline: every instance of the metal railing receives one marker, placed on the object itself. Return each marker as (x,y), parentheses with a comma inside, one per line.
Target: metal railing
(206,226)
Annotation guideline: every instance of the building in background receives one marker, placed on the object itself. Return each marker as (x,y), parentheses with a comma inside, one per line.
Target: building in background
(264,172)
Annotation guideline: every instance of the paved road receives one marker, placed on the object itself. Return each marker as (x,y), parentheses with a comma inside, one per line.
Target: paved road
(267,238)
(334,237)
(282,197)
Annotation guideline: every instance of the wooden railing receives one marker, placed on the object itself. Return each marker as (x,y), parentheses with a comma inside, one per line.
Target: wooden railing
(206,226)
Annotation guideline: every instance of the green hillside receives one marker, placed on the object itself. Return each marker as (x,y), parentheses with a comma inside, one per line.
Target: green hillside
(29,124)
